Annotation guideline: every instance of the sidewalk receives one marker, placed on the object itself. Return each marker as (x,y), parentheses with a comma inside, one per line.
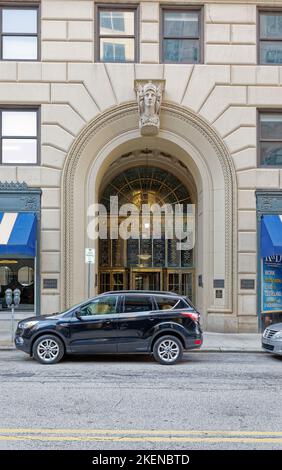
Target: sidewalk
(213,342)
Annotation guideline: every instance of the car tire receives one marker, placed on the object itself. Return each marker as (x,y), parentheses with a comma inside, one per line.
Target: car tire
(48,349)
(168,350)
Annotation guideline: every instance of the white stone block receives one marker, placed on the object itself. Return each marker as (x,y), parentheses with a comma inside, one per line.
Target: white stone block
(80,30)
(149,32)
(50,262)
(264,96)
(247,304)
(77,96)
(230,54)
(26,93)
(245,159)
(224,13)
(246,199)
(241,138)
(66,9)
(243,33)
(122,79)
(247,220)
(267,178)
(54,72)
(243,74)
(30,174)
(217,33)
(52,157)
(267,75)
(50,240)
(246,179)
(56,136)
(176,76)
(234,117)
(50,198)
(149,11)
(8,71)
(202,82)
(29,71)
(149,53)
(63,115)
(8,173)
(50,303)
(247,263)
(221,98)
(53,30)
(96,80)
(50,219)
(154,71)
(247,241)
(50,177)
(67,51)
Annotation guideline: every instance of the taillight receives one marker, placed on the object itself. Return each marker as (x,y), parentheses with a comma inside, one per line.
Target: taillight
(194,316)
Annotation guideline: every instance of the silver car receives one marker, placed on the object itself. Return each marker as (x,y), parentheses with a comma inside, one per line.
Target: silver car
(272,339)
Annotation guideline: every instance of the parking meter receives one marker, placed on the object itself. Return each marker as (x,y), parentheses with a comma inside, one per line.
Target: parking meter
(17,297)
(9,297)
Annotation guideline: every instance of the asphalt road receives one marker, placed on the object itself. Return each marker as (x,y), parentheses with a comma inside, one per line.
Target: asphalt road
(208,401)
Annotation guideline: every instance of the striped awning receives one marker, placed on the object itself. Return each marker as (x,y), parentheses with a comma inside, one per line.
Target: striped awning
(271,235)
(17,234)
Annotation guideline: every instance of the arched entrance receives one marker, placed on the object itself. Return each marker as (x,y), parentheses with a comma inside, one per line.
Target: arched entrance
(150,261)
(199,155)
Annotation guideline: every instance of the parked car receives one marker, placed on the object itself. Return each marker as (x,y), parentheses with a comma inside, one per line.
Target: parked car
(272,339)
(159,323)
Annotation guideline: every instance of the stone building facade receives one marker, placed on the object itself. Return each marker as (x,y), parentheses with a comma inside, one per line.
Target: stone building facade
(209,139)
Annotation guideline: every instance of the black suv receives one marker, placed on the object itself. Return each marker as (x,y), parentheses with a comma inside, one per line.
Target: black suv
(158,323)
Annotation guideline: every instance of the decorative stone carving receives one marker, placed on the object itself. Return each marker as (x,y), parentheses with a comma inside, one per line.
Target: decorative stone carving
(149,96)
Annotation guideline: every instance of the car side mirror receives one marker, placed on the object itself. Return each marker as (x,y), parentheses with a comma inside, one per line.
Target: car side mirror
(78,314)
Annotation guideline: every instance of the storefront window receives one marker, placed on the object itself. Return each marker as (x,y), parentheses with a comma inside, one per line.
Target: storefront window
(17,273)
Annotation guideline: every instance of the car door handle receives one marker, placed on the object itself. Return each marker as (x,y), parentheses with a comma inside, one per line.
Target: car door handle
(151,318)
(108,322)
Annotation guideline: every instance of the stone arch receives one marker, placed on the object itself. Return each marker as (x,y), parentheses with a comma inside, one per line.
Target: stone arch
(114,132)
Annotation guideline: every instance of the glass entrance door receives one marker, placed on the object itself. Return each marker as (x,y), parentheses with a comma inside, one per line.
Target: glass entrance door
(146,280)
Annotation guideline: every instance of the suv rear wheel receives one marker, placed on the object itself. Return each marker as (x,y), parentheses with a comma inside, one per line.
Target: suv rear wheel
(48,349)
(168,350)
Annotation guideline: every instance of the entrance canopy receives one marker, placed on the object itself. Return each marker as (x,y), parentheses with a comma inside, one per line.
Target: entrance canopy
(17,234)
(271,235)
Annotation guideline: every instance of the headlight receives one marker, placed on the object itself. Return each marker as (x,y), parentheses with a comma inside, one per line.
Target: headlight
(278,335)
(28,324)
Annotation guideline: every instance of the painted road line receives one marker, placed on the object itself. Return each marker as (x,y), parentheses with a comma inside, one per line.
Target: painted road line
(247,440)
(147,432)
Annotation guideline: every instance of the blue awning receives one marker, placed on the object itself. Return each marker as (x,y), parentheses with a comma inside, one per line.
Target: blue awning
(17,234)
(271,235)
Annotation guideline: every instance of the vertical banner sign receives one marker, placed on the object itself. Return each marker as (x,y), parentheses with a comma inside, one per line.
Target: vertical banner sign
(272,284)
(89,259)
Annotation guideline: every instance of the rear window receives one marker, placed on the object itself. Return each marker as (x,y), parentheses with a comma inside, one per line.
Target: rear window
(137,303)
(170,303)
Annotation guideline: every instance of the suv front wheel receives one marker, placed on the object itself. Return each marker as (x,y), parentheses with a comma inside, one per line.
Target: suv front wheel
(48,349)
(168,350)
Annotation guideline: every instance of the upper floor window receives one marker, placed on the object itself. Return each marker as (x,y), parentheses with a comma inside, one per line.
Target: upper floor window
(181,36)
(270,37)
(116,41)
(270,138)
(19,33)
(18,136)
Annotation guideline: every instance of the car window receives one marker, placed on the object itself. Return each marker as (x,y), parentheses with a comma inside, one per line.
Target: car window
(101,306)
(137,303)
(169,303)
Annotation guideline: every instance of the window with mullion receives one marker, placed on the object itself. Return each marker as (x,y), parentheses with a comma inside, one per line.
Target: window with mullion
(270,37)
(18,136)
(116,34)
(19,33)
(270,139)
(181,41)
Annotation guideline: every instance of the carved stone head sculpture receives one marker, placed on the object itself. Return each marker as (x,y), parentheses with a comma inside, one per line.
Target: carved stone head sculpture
(149,97)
